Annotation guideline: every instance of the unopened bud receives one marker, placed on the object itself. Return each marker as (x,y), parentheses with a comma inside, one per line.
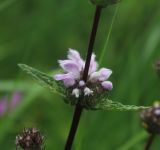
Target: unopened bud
(151,119)
(30,139)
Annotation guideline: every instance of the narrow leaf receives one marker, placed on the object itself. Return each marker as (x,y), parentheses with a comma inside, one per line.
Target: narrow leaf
(43,79)
(117,106)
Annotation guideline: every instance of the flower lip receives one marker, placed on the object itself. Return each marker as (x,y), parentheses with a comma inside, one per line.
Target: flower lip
(104,74)
(107,85)
(70,66)
(68,79)
(69,82)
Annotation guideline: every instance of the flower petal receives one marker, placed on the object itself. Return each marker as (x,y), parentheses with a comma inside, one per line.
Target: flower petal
(69,82)
(76,92)
(59,77)
(104,74)
(81,83)
(68,79)
(70,66)
(93,64)
(75,56)
(107,85)
(87,91)
(94,77)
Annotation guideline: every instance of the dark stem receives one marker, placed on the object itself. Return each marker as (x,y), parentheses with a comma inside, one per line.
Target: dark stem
(91,42)
(74,126)
(78,109)
(149,142)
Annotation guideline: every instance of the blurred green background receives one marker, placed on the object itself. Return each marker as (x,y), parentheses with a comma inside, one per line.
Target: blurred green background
(38,33)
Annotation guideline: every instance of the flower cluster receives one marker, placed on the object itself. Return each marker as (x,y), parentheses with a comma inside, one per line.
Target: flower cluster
(73,76)
(151,119)
(30,139)
(5,104)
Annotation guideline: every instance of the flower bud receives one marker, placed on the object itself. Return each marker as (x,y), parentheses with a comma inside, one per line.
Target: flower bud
(30,139)
(151,119)
(104,3)
(76,92)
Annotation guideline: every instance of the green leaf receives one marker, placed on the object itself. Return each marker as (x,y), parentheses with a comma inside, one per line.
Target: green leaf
(102,104)
(44,79)
(117,106)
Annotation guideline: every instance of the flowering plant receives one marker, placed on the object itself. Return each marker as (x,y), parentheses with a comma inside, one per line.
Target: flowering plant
(80,83)
(91,98)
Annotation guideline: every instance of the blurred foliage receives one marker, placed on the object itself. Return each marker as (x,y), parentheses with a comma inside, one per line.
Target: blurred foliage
(38,32)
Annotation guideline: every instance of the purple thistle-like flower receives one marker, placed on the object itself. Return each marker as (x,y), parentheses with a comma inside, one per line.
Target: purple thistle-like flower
(73,71)
(3,106)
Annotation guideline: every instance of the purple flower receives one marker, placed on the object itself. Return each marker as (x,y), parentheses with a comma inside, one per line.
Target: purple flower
(3,106)
(16,98)
(81,83)
(73,71)
(107,85)
(6,104)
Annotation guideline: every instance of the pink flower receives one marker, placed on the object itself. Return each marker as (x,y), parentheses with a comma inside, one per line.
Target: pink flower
(73,70)
(107,85)
(16,98)
(6,104)
(102,75)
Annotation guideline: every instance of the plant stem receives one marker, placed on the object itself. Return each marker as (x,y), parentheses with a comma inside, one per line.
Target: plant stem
(149,142)
(91,42)
(78,109)
(74,126)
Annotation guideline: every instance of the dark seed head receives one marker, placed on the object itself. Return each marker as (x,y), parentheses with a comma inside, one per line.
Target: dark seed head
(30,139)
(151,119)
